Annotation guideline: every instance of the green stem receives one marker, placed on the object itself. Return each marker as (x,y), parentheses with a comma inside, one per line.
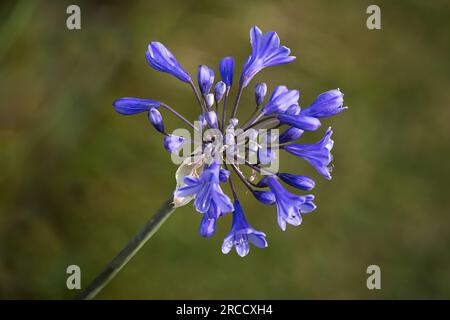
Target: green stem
(132,247)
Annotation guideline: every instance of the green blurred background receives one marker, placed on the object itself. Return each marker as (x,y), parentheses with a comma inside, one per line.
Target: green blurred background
(77,180)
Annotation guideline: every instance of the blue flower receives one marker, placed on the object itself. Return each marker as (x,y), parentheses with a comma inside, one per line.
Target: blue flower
(128,106)
(266,52)
(299,121)
(289,206)
(207,226)
(205,79)
(207,190)
(161,59)
(173,143)
(226,69)
(326,104)
(280,100)
(318,154)
(241,234)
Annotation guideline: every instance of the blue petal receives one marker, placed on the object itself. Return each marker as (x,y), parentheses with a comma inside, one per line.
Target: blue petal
(228,243)
(242,246)
(207,226)
(258,239)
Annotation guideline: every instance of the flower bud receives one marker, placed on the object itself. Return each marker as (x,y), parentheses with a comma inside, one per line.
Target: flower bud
(154,116)
(260,93)
(219,90)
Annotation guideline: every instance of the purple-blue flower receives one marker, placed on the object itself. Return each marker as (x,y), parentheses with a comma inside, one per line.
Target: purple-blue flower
(161,59)
(173,143)
(318,154)
(266,52)
(326,104)
(207,190)
(280,100)
(241,234)
(217,159)
(289,206)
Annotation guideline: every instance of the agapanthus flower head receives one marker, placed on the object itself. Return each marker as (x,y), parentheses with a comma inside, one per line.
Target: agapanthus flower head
(161,59)
(227,145)
(266,52)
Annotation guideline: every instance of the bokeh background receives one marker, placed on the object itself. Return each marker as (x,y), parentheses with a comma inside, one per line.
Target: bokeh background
(77,180)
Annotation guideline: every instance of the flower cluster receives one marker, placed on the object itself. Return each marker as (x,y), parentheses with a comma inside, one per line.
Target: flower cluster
(203,172)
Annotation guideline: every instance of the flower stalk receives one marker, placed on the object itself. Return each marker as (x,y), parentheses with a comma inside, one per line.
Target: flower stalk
(128,252)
